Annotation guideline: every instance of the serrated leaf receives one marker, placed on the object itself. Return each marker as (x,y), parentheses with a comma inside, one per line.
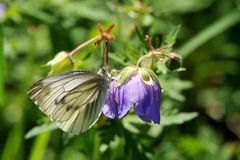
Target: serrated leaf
(173,87)
(40,129)
(178,118)
(129,121)
(170,39)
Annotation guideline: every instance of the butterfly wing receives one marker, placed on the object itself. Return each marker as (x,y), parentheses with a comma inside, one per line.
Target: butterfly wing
(73,100)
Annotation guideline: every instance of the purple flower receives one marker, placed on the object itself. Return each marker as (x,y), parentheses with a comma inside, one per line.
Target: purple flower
(135,92)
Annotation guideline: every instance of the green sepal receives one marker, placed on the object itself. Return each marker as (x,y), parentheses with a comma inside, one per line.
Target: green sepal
(181,69)
(60,63)
(153,75)
(114,72)
(125,74)
(148,76)
(145,76)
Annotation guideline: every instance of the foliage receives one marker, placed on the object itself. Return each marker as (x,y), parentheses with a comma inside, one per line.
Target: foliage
(32,33)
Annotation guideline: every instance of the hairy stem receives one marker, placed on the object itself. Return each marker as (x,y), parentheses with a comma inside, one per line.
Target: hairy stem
(143,57)
(94,39)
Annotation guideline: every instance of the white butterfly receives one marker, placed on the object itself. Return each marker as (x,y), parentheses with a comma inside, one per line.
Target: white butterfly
(73,100)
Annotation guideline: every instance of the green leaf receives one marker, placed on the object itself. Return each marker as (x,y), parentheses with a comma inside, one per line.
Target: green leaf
(215,29)
(140,35)
(170,39)
(2,68)
(40,146)
(14,142)
(129,121)
(178,118)
(117,58)
(155,130)
(161,68)
(70,153)
(173,87)
(40,129)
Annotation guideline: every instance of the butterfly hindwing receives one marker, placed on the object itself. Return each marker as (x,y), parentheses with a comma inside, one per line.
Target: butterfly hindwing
(73,100)
(84,118)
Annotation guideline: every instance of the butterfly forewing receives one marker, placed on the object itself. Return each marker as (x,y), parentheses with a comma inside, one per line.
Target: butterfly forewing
(73,100)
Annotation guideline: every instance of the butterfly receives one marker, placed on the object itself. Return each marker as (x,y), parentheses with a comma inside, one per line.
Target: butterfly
(73,100)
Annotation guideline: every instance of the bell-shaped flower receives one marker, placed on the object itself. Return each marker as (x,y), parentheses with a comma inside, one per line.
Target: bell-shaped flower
(137,88)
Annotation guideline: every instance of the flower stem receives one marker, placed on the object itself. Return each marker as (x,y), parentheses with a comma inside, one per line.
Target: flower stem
(94,39)
(149,54)
(105,35)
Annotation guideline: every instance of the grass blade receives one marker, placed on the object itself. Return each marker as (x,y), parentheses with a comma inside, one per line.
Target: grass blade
(2,68)
(210,32)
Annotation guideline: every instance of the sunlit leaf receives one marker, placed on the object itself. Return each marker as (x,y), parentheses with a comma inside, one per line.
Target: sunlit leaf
(178,118)
(170,39)
(40,129)
(129,121)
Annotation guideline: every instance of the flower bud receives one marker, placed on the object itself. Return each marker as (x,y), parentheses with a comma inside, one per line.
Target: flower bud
(174,62)
(60,63)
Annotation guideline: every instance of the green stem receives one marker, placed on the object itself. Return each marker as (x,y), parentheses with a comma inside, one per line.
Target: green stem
(105,57)
(40,146)
(142,58)
(13,147)
(2,68)
(157,54)
(210,32)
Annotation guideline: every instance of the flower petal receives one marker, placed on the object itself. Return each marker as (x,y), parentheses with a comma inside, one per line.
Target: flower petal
(134,92)
(146,99)
(115,105)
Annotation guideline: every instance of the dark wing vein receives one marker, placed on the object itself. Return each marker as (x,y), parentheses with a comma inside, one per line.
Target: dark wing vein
(73,100)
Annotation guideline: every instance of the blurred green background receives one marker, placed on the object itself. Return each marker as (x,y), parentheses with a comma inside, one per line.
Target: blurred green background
(33,32)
